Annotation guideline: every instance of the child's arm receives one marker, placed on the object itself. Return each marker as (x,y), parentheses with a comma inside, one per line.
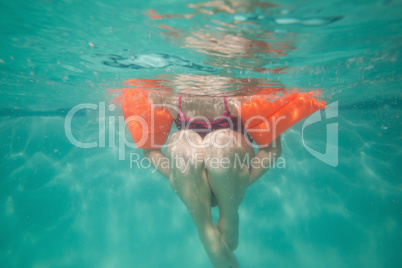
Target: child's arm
(265,157)
(158,160)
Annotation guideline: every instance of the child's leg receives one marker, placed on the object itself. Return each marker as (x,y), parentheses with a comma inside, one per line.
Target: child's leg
(188,179)
(228,177)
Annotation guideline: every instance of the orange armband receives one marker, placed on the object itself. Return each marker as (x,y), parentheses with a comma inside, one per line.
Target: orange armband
(149,126)
(265,120)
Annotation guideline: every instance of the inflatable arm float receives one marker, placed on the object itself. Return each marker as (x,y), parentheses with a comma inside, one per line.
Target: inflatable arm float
(265,117)
(149,126)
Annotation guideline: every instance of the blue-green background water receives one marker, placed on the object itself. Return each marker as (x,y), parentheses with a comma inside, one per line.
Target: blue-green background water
(63,206)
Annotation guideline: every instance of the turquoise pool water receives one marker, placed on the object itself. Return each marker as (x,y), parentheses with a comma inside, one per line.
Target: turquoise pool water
(65,206)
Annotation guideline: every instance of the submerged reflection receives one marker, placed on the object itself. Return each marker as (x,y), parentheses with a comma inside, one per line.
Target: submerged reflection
(215,7)
(231,44)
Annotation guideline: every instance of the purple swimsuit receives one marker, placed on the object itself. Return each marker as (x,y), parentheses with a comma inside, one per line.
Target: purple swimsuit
(203,127)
